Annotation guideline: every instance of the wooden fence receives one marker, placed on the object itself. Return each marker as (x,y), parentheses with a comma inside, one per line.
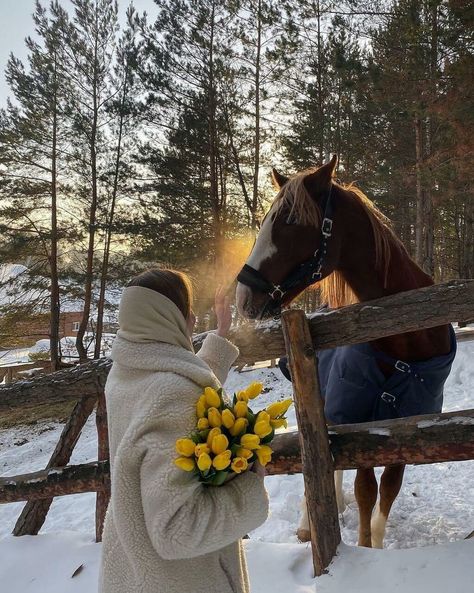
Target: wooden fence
(315,451)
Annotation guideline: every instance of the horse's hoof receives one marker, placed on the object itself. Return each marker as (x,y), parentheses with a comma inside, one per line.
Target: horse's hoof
(303,535)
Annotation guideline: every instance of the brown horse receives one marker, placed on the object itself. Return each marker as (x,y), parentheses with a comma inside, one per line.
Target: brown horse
(319,230)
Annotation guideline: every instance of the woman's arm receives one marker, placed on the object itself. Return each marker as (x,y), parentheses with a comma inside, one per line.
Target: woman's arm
(185,519)
(219,354)
(216,350)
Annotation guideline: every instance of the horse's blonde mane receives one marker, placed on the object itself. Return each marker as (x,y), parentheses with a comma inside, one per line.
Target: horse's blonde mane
(294,197)
(303,209)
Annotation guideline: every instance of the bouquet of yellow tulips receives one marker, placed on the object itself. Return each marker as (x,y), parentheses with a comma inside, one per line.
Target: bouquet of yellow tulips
(229,438)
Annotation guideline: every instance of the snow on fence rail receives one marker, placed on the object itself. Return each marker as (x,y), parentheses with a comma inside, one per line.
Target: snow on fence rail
(424,439)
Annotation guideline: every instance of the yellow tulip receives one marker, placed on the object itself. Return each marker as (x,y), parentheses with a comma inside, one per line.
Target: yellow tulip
(239,464)
(254,389)
(201,407)
(204,462)
(228,418)
(222,460)
(185,463)
(279,408)
(245,453)
(262,428)
(212,398)
(219,444)
(250,441)
(242,396)
(212,433)
(240,425)
(214,417)
(279,423)
(203,423)
(264,455)
(201,448)
(185,447)
(241,409)
(263,415)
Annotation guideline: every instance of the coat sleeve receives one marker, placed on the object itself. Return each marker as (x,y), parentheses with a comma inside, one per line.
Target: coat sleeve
(183,517)
(219,354)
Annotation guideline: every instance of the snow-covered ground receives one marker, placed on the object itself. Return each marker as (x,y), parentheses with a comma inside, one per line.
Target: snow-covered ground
(433,513)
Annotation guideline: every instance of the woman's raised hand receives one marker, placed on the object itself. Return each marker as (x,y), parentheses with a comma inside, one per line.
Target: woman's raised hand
(223,312)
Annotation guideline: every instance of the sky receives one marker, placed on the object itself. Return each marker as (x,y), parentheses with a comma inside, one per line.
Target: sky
(16,24)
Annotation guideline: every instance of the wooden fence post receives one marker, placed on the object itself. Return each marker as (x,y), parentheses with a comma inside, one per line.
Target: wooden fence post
(34,512)
(103,496)
(318,467)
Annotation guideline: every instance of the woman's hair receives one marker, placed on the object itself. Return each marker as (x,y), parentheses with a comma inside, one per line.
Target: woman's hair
(172,284)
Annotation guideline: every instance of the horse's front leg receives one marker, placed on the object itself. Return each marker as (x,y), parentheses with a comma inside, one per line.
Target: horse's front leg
(365,489)
(390,484)
(303,533)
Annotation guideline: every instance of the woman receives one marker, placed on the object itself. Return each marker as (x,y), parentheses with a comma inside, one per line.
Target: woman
(165,532)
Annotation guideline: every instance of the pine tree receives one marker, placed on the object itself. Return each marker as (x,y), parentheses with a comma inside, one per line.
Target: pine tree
(33,144)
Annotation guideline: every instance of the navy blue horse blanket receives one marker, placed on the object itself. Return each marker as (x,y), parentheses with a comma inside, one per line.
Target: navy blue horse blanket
(356,390)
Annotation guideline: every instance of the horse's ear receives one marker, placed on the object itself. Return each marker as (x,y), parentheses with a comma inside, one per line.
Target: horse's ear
(323,176)
(278,179)
(329,169)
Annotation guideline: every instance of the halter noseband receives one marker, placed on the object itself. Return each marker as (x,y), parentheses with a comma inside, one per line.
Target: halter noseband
(302,276)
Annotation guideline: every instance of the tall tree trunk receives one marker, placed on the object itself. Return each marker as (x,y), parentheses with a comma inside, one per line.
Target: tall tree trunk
(419,192)
(89,276)
(428,230)
(53,256)
(213,150)
(319,76)
(109,230)
(256,164)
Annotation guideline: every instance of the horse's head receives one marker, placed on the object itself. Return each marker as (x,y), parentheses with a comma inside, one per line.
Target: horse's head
(291,250)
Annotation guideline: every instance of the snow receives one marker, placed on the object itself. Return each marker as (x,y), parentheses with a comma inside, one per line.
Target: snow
(385,432)
(425,547)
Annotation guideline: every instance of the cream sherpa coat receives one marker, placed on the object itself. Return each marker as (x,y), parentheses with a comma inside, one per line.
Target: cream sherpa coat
(164,531)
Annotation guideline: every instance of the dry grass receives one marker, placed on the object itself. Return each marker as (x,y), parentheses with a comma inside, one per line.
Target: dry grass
(24,416)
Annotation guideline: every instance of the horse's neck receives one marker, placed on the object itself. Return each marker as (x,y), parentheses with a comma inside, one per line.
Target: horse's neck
(402,274)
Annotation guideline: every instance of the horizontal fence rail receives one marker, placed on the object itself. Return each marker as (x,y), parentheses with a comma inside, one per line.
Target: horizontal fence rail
(399,313)
(56,481)
(416,440)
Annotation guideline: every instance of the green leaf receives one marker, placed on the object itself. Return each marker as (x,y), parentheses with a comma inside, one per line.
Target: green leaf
(196,438)
(268,438)
(251,418)
(220,477)
(203,435)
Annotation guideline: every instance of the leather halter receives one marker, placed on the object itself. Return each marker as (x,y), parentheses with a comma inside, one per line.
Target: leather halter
(305,274)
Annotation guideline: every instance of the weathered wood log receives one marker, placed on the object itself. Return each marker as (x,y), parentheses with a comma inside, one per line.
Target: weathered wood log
(69,384)
(318,467)
(416,440)
(34,513)
(432,438)
(399,313)
(403,312)
(103,496)
(56,481)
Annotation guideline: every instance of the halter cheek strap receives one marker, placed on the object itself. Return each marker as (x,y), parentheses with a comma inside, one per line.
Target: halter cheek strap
(302,276)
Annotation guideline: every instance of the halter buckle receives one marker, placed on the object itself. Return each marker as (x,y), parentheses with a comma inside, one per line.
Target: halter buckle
(388,398)
(317,275)
(404,367)
(326,227)
(276,289)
